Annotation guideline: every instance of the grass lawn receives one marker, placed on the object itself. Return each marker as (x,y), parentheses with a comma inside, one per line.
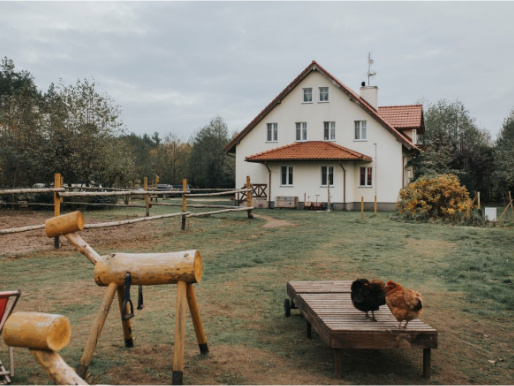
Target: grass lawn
(464,273)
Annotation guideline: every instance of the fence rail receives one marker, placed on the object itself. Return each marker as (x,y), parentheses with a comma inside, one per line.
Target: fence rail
(61,192)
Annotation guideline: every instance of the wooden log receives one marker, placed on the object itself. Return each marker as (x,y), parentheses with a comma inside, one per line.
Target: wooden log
(94,336)
(83,247)
(30,190)
(37,331)
(218,194)
(180,334)
(220,211)
(197,321)
(66,223)
(149,268)
(57,369)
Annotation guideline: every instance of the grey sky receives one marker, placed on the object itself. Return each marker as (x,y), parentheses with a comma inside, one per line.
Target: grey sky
(173,66)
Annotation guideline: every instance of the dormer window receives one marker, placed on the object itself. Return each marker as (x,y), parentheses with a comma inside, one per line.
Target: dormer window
(307,95)
(323,94)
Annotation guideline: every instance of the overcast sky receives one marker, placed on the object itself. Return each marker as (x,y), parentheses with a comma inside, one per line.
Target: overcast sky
(173,66)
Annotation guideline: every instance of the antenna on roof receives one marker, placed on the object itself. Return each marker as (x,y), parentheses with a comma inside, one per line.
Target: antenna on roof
(370,62)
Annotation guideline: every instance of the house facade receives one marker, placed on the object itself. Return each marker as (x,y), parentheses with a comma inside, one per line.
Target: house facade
(320,142)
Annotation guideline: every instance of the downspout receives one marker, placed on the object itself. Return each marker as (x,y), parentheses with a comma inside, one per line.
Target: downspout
(269,184)
(344,185)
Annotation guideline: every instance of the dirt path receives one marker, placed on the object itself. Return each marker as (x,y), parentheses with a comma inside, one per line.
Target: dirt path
(273,222)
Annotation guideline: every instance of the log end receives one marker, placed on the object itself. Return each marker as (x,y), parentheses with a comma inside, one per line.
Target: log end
(64,224)
(37,331)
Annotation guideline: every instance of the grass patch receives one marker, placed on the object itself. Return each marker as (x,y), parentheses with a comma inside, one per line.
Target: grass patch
(464,273)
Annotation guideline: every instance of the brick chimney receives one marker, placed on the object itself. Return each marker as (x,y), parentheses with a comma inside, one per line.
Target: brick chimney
(370,93)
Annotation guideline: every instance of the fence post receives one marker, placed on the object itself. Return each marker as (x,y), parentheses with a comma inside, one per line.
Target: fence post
(147,198)
(249,196)
(375,204)
(184,203)
(57,203)
(362,206)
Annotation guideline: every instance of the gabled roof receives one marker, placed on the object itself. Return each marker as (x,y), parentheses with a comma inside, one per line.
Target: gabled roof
(308,151)
(354,97)
(404,117)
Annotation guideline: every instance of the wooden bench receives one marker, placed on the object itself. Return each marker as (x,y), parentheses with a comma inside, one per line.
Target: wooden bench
(327,306)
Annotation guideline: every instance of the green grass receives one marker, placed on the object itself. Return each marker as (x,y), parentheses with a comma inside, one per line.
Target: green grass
(464,273)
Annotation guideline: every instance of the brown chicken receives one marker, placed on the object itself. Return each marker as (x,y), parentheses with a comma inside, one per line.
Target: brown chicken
(404,304)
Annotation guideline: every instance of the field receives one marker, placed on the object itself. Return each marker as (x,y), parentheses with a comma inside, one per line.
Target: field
(464,273)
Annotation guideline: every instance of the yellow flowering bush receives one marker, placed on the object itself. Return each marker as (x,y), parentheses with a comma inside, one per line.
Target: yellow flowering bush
(434,197)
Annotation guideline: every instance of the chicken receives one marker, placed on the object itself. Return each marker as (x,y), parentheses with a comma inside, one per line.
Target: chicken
(368,296)
(404,304)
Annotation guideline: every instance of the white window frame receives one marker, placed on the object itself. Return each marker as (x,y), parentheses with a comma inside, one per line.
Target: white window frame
(325,176)
(301,131)
(324,95)
(307,91)
(361,130)
(368,176)
(272,132)
(329,130)
(286,176)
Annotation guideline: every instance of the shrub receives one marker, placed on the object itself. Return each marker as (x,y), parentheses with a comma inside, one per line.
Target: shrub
(439,197)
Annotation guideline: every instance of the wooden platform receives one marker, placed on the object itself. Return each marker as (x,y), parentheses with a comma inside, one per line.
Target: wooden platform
(327,306)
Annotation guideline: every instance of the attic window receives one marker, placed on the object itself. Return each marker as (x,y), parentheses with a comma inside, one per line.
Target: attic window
(323,94)
(307,95)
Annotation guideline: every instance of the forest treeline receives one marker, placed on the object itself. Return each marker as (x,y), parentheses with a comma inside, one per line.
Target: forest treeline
(74,130)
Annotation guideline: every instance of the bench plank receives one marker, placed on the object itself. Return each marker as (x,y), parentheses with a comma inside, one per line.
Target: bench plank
(327,307)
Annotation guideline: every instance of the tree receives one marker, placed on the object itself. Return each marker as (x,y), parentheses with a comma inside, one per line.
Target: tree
(20,127)
(454,144)
(504,157)
(209,165)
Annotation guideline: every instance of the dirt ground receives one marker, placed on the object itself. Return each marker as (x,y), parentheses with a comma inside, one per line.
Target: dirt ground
(15,244)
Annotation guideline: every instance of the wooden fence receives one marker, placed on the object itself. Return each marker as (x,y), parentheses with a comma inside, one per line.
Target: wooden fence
(60,193)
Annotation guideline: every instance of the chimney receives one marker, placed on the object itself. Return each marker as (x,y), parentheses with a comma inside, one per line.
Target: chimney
(370,93)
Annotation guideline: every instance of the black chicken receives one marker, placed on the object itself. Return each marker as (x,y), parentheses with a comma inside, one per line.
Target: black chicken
(368,296)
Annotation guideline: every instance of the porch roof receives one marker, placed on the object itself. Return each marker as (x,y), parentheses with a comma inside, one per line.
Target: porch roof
(309,151)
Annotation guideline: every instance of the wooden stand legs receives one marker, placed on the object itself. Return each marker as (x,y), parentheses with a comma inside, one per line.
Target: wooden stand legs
(92,341)
(185,296)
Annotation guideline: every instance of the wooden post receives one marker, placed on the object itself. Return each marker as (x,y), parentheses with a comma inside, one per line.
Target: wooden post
(362,206)
(375,210)
(147,198)
(57,369)
(338,358)
(57,204)
(184,203)
(426,362)
(506,208)
(249,196)
(94,336)
(180,334)
(37,331)
(127,329)
(197,321)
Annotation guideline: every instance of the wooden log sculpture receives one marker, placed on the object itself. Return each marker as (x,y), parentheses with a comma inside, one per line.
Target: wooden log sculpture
(43,335)
(181,268)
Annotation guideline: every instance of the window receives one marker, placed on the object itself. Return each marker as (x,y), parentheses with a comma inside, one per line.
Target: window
(307,95)
(323,94)
(329,132)
(360,131)
(366,176)
(287,175)
(301,131)
(272,132)
(327,172)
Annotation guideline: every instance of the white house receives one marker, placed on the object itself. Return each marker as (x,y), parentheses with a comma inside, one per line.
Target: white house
(320,141)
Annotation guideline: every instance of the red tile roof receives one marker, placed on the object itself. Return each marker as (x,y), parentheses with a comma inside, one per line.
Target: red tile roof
(314,66)
(404,117)
(309,151)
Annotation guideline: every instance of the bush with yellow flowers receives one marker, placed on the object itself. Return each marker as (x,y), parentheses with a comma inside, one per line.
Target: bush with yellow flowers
(440,197)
